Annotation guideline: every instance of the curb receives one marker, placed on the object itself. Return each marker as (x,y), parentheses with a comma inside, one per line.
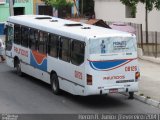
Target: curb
(150,59)
(147,58)
(146,100)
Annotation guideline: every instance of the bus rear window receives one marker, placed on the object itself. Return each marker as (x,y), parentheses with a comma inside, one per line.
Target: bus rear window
(112,45)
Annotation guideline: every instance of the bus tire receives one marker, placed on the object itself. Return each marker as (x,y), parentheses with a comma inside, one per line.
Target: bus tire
(131,95)
(18,68)
(55,83)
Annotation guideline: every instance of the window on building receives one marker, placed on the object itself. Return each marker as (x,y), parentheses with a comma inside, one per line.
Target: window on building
(45,10)
(25,35)
(64,51)
(17,34)
(53,45)
(129,13)
(77,56)
(33,39)
(43,36)
(19,11)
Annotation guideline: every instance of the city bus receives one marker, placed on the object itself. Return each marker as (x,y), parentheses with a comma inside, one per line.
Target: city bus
(71,56)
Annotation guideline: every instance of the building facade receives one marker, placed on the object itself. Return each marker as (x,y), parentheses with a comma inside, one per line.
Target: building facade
(21,7)
(39,8)
(114,10)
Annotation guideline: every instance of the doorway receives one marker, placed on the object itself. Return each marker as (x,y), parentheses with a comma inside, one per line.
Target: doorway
(45,10)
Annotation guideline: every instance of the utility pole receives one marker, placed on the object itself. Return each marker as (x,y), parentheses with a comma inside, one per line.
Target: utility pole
(11,7)
(146,19)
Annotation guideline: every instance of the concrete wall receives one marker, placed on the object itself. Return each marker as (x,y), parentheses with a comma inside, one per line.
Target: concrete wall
(114,10)
(36,3)
(4,8)
(4,12)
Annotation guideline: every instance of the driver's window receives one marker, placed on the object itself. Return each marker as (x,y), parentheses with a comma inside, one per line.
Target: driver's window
(9,37)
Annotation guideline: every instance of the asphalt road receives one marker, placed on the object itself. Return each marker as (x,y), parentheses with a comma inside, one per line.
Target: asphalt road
(31,96)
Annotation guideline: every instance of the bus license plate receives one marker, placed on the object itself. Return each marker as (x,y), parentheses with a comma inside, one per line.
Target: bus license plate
(113,90)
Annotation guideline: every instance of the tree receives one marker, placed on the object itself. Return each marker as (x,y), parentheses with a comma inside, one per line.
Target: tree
(149,6)
(58,3)
(63,6)
(132,4)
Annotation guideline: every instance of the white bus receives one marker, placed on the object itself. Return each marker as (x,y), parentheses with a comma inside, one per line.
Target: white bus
(75,57)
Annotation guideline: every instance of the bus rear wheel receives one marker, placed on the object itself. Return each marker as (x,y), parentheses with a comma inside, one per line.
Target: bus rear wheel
(131,95)
(18,68)
(55,84)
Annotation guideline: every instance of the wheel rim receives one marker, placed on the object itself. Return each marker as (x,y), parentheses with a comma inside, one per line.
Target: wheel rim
(18,69)
(54,83)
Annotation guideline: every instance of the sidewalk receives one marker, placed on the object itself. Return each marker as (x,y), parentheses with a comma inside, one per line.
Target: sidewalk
(149,85)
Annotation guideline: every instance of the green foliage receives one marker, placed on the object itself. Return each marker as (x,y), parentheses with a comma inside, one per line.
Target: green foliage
(150,4)
(133,11)
(132,4)
(58,3)
(157,4)
(129,2)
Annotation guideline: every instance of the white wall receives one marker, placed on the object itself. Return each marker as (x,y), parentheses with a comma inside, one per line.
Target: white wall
(114,10)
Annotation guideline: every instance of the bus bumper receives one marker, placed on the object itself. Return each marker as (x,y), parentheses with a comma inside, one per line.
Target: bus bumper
(112,89)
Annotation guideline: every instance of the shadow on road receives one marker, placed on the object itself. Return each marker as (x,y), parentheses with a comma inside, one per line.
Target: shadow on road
(93,102)
(97,101)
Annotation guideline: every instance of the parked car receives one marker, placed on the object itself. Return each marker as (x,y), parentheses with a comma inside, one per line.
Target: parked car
(2,49)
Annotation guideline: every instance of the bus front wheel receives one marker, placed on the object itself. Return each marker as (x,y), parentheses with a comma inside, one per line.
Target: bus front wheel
(55,84)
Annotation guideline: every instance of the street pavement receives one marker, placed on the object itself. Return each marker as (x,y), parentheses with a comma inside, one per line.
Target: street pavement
(31,96)
(149,85)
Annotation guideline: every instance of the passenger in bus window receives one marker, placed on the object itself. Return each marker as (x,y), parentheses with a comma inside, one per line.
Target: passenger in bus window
(103,47)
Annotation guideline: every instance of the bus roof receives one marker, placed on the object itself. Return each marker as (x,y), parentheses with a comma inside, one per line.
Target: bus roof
(65,27)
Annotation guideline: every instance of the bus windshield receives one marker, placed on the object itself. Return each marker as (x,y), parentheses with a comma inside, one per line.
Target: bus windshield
(112,45)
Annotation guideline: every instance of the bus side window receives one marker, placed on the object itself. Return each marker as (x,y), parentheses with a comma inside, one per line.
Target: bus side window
(9,37)
(24,31)
(64,52)
(43,37)
(33,39)
(53,45)
(17,34)
(77,56)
